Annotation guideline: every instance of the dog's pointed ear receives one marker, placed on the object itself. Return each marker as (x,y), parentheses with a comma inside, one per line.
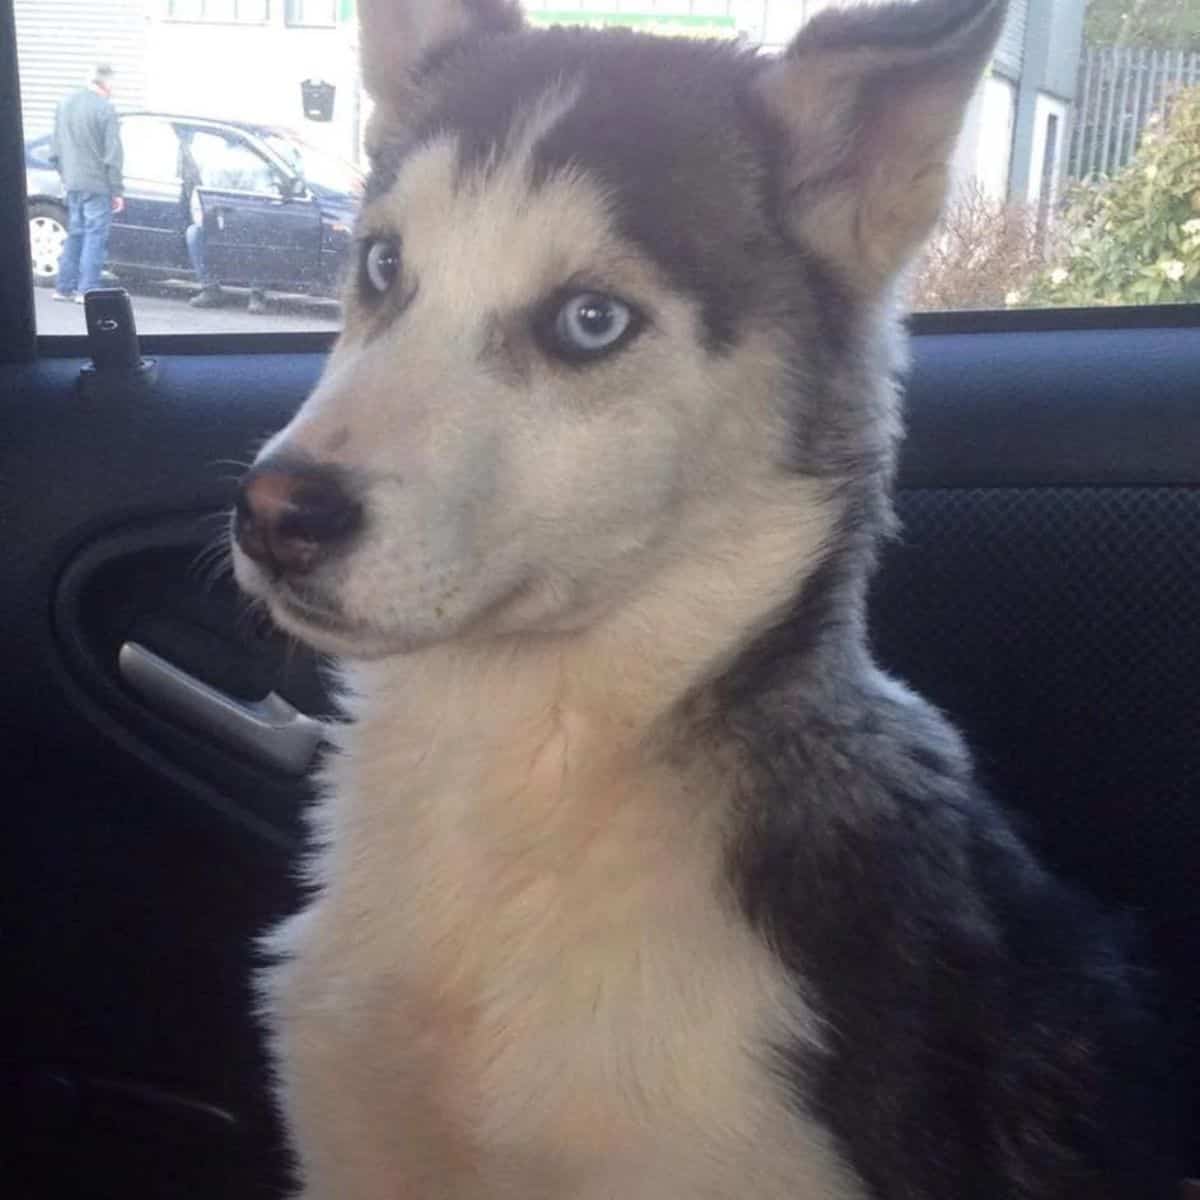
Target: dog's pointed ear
(397,36)
(870,101)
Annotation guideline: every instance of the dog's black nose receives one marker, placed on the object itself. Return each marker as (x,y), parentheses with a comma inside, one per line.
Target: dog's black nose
(289,518)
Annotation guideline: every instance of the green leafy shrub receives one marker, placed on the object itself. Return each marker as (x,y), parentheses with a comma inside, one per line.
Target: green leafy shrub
(1134,239)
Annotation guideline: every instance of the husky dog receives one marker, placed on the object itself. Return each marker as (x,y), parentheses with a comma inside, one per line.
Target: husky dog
(634,878)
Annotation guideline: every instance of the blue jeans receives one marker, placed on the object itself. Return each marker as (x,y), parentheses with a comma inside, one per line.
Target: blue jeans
(197,244)
(89,218)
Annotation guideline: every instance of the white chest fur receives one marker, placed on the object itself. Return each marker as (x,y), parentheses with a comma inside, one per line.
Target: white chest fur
(525,975)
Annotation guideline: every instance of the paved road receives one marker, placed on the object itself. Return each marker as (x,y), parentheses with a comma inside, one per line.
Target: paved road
(164,309)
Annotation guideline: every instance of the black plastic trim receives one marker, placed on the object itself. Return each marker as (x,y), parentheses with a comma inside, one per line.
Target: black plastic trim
(187,757)
(1085,407)
(164,345)
(1034,320)
(17,321)
(1012,409)
(1057,320)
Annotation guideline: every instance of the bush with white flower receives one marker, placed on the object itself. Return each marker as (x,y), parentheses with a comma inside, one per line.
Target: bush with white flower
(1134,239)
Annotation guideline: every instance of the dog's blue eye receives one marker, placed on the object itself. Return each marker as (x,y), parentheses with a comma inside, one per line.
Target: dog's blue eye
(590,323)
(381,264)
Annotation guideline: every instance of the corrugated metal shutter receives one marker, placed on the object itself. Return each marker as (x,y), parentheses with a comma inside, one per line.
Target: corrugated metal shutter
(1010,51)
(58,43)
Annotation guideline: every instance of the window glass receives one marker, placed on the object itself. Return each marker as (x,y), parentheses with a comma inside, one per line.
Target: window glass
(1075,182)
(316,166)
(151,150)
(37,152)
(230,11)
(311,12)
(230,165)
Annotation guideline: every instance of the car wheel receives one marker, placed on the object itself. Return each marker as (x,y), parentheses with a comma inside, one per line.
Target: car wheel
(47,233)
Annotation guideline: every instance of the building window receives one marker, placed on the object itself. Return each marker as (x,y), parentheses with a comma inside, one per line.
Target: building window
(225,12)
(318,13)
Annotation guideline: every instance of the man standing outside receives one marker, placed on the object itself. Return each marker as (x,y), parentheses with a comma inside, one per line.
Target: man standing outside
(86,149)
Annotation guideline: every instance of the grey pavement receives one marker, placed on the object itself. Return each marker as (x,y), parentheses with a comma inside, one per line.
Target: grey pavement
(164,308)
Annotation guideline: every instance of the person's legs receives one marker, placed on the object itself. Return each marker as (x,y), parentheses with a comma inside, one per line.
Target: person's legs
(68,261)
(97,220)
(197,252)
(210,290)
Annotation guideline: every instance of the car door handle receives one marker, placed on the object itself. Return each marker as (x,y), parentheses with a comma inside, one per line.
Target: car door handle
(271,730)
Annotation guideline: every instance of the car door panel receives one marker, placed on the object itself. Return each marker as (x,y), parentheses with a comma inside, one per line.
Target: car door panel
(256,231)
(131,840)
(131,565)
(1049,489)
(148,233)
(140,588)
(262,239)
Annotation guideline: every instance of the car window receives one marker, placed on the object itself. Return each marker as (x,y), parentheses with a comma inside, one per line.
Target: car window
(1075,182)
(151,149)
(230,164)
(37,152)
(314,165)
(311,12)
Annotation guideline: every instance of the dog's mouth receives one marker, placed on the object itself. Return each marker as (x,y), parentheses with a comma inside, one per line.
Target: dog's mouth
(326,630)
(311,612)
(313,617)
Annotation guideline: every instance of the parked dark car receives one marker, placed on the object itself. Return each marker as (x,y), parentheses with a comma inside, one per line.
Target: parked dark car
(277,210)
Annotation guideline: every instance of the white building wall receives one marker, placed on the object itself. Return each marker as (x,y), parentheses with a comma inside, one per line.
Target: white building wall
(984,151)
(1045,107)
(253,73)
(779,20)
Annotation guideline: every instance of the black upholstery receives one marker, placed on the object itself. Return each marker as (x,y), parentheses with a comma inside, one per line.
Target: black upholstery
(1060,628)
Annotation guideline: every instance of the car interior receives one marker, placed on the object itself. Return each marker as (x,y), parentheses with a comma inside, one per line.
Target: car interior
(1044,589)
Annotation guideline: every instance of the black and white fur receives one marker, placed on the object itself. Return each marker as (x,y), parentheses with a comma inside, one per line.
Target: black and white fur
(634,876)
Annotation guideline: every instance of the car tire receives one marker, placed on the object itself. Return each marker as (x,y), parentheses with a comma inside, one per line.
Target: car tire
(47,233)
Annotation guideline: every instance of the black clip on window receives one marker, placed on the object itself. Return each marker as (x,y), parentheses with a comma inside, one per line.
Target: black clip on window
(117,367)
